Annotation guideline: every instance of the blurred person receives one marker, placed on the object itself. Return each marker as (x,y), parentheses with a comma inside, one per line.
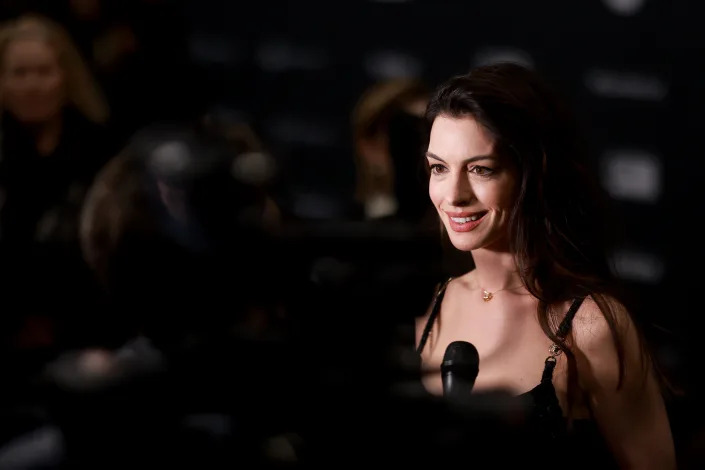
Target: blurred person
(179,236)
(181,195)
(387,134)
(52,142)
(550,322)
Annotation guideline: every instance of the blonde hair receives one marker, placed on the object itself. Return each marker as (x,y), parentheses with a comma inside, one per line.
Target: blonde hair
(370,118)
(82,90)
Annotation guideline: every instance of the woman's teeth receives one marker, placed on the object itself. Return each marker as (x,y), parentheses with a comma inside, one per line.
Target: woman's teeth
(462,220)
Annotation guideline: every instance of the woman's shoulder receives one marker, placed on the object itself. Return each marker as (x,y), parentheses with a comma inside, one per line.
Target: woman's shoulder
(603,336)
(599,318)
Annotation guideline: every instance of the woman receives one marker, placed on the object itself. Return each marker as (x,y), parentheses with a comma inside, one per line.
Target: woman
(383,111)
(52,142)
(540,305)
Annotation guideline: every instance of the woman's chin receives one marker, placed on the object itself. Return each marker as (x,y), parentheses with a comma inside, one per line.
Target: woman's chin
(463,243)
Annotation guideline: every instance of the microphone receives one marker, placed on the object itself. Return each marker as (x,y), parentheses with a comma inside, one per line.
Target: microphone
(459,370)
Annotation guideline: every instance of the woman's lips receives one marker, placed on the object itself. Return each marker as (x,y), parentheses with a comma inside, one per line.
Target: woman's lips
(464,221)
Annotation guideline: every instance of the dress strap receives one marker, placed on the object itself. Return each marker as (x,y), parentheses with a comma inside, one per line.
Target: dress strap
(435,308)
(563,330)
(564,327)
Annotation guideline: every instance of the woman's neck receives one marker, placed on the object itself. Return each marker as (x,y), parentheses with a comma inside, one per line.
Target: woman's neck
(47,135)
(495,270)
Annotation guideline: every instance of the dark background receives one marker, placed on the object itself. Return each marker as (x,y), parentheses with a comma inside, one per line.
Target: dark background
(294,70)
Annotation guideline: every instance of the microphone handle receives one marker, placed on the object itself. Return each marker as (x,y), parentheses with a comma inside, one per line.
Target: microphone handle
(458,383)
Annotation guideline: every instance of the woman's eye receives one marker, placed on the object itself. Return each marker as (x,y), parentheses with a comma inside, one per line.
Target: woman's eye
(481,170)
(437,169)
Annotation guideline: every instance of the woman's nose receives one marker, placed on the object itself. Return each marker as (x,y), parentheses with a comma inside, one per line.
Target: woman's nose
(460,191)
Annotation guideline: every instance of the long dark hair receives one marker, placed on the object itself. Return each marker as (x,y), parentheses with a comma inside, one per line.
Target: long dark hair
(557,227)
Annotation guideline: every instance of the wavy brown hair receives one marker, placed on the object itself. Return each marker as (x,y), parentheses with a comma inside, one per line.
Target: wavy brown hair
(557,225)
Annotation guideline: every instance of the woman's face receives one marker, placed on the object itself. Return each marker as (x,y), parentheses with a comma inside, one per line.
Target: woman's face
(472,187)
(31,81)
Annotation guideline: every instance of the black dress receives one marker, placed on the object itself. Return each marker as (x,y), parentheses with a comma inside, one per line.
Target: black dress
(546,432)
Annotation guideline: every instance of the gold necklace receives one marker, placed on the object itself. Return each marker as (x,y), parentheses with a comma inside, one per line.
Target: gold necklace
(487,295)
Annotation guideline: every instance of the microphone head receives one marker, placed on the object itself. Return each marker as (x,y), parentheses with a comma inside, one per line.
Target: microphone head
(461,354)
(459,370)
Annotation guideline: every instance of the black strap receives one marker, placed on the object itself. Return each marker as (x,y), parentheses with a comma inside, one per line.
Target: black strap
(563,330)
(564,327)
(435,308)
(549,365)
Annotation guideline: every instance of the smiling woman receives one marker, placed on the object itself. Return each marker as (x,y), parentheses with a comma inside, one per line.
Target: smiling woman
(541,306)
(473,189)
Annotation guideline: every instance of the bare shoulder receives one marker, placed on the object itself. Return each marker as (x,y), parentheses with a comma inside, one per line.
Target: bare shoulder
(630,412)
(600,318)
(592,327)
(600,329)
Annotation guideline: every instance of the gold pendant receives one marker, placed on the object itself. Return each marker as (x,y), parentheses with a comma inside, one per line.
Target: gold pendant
(486,295)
